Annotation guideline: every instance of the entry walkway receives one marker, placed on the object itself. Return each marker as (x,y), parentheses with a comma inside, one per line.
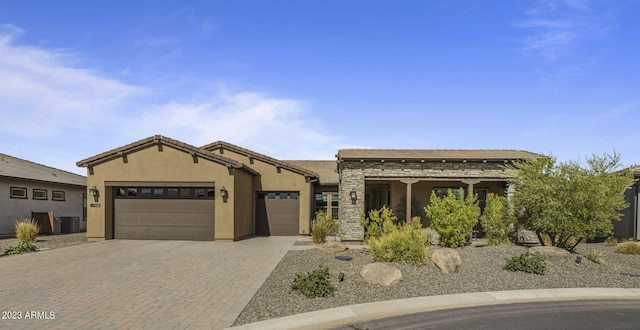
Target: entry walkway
(137,284)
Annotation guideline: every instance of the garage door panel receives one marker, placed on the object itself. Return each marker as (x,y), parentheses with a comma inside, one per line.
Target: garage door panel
(164,219)
(277,216)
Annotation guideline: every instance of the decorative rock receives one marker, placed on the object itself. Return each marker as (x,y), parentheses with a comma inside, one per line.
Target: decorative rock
(332,247)
(527,237)
(381,274)
(551,254)
(448,260)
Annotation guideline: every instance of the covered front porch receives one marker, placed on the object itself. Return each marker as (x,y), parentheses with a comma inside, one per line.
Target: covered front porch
(404,179)
(407,197)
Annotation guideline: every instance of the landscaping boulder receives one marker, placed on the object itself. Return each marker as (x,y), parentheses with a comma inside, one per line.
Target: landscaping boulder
(332,247)
(527,237)
(551,254)
(448,260)
(381,274)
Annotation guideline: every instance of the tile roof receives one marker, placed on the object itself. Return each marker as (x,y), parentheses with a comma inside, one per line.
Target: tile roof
(326,169)
(434,154)
(13,167)
(162,140)
(636,170)
(252,154)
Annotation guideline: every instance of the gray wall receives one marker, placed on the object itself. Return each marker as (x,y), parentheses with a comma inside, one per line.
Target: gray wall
(12,209)
(629,226)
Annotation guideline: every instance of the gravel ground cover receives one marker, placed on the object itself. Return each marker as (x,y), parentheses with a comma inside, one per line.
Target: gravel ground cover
(481,271)
(48,241)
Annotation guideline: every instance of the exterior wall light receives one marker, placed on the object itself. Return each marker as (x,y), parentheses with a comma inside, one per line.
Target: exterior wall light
(224,193)
(93,191)
(353,195)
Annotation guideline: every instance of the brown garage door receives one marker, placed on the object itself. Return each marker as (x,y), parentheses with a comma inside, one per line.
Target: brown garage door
(164,213)
(277,213)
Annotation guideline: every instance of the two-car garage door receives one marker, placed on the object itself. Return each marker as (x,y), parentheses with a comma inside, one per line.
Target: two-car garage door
(164,213)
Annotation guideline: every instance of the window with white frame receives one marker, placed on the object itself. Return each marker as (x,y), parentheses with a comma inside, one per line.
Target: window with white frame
(57,195)
(40,194)
(17,192)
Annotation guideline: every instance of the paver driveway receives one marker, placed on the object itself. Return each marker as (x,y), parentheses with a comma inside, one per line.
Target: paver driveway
(137,284)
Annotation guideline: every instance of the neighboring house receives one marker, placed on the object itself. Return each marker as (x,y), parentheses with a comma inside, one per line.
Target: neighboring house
(629,225)
(160,188)
(27,188)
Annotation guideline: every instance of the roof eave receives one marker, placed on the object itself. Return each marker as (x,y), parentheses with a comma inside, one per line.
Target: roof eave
(263,158)
(164,141)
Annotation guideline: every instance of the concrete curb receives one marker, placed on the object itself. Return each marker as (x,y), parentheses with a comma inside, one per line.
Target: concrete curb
(334,317)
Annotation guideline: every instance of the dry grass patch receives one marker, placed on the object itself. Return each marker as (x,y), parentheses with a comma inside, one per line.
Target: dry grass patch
(628,248)
(26,229)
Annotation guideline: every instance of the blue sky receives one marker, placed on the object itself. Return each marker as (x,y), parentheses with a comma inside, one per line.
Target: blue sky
(302,79)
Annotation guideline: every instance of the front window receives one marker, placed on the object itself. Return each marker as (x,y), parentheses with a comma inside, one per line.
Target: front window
(334,206)
(442,192)
(328,203)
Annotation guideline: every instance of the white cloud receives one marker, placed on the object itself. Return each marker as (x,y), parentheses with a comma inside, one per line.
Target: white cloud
(41,87)
(557,26)
(52,108)
(279,127)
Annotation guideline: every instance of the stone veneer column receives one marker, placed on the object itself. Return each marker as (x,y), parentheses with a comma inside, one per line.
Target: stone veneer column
(351,179)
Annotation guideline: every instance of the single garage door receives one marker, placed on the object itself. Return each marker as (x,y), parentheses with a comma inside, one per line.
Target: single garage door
(164,213)
(277,213)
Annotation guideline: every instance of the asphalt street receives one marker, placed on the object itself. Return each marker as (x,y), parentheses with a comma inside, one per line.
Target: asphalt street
(581,314)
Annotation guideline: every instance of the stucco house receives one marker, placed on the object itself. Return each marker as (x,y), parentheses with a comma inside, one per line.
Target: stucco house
(161,188)
(629,225)
(28,188)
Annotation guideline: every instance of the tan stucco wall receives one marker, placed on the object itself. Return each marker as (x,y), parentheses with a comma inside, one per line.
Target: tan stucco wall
(244,205)
(152,165)
(12,209)
(271,180)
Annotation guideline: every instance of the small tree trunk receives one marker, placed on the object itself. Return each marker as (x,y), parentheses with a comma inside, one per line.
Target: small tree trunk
(540,239)
(574,245)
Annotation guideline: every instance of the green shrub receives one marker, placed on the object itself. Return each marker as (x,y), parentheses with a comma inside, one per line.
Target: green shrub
(571,201)
(26,229)
(433,237)
(495,221)
(526,263)
(314,284)
(377,222)
(594,256)
(404,243)
(628,248)
(611,241)
(24,246)
(453,217)
(322,226)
